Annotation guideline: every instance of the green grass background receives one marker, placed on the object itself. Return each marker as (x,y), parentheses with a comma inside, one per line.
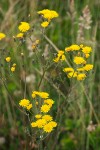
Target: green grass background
(76,115)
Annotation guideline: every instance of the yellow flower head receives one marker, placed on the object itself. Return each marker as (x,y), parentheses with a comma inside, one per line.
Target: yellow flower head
(40,123)
(72,74)
(2,36)
(48,128)
(80,69)
(20,35)
(12,69)
(24,102)
(38,116)
(43,94)
(29,107)
(87,55)
(44,24)
(24,27)
(68,69)
(53,124)
(86,49)
(45,108)
(88,67)
(79,60)
(50,102)
(81,76)
(8,59)
(60,56)
(47,118)
(34,124)
(48,14)
(72,48)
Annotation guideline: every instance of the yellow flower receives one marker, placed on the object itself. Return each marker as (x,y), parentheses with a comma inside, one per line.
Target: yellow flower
(50,102)
(44,24)
(24,102)
(81,76)
(40,123)
(20,35)
(88,67)
(48,14)
(79,60)
(48,128)
(47,117)
(60,56)
(35,93)
(14,65)
(43,94)
(29,106)
(34,124)
(12,69)
(72,74)
(80,69)
(87,55)
(72,48)
(36,103)
(24,27)
(53,123)
(8,59)
(45,108)
(68,69)
(86,49)
(2,36)
(38,116)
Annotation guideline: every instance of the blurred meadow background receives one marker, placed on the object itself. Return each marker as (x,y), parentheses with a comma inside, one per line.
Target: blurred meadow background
(77,105)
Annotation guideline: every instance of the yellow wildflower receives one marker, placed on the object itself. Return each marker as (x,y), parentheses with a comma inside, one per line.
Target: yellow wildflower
(8,59)
(24,27)
(48,128)
(34,124)
(24,102)
(29,106)
(86,49)
(14,65)
(72,48)
(44,24)
(87,55)
(40,123)
(38,116)
(50,102)
(80,69)
(88,67)
(43,94)
(72,74)
(53,123)
(60,56)
(81,76)
(68,69)
(12,69)
(45,108)
(47,117)
(79,60)
(2,36)
(48,14)
(20,35)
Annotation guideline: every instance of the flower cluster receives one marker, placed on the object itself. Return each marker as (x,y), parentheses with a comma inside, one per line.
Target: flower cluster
(48,15)
(25,103)
(80,60)
(23,28)
(43,120)
(60,56)
(13,67)
(81,55)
